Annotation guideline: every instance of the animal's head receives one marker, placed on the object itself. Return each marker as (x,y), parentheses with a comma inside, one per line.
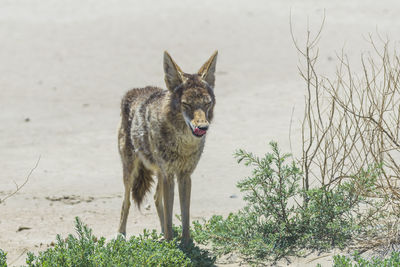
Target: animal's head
(192,94)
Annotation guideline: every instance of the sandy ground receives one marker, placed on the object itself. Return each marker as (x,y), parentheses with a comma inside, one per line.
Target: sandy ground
(65,65)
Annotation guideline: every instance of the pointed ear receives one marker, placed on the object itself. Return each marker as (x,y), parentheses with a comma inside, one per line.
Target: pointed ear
(207,71)
(173,74)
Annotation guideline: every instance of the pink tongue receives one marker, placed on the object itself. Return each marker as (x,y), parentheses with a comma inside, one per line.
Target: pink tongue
(198,131)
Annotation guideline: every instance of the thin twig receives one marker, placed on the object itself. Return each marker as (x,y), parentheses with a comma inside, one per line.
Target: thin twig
(18,187)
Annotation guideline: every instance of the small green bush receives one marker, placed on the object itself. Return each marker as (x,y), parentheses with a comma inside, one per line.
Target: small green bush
(276,221)
(328,218)
(358,261)
(3,259)
(86,250)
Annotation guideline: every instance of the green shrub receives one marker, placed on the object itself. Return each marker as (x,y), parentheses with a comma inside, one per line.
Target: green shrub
(146,250)
(328,218)
(3,259)
(358,261)
(275,221)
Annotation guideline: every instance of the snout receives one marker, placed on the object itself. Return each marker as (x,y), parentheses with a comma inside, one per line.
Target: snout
(199,123)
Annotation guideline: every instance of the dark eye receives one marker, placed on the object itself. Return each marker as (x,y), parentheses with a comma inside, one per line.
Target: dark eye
(186,105)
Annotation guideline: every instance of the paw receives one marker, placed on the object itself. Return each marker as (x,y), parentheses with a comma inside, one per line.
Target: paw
(120,235)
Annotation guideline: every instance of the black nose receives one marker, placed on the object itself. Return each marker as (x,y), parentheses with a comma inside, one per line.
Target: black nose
(204,128)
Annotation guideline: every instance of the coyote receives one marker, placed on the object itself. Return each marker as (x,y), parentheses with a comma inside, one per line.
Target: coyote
(162,133)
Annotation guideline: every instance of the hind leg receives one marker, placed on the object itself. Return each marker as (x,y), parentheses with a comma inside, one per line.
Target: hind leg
(159,203)
(126,204)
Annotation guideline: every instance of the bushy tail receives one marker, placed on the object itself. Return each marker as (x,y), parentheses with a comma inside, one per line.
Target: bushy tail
(141,184)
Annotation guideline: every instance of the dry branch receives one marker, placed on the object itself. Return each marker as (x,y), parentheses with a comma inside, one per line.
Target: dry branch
(351,130)
(18,187)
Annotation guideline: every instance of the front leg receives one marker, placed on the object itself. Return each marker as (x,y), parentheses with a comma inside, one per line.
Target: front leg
(168,197)
(158,200)
(185,185)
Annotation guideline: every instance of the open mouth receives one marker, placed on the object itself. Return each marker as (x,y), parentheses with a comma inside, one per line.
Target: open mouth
(198,132)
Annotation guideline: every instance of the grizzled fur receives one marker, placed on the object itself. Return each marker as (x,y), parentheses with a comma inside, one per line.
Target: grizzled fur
(162,133)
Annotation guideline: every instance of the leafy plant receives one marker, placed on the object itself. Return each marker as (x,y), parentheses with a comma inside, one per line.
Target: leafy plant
(358,261)
(276,221)
(328,218)
(3,259)
(87,250)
